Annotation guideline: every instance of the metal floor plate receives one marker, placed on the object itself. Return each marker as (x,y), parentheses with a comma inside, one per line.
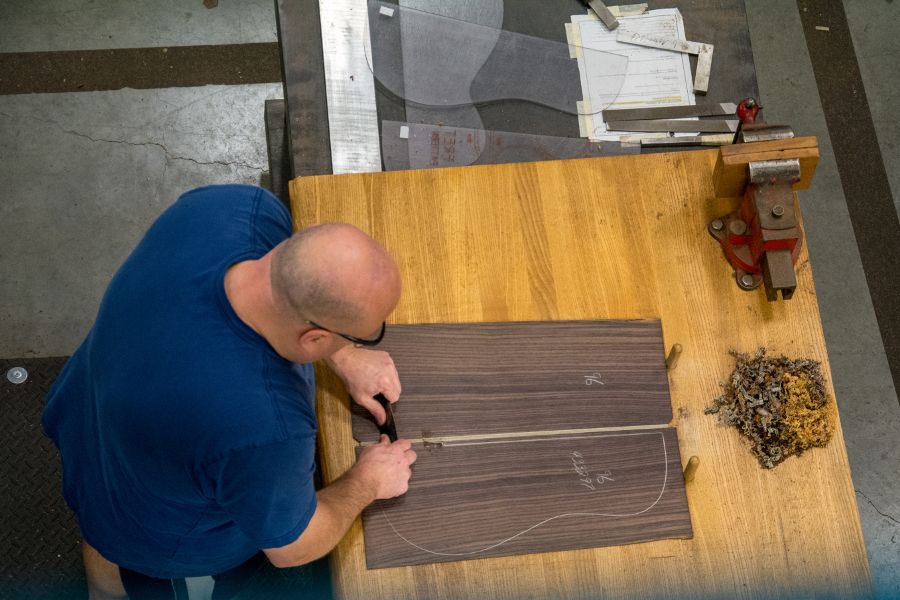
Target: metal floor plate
(40,545)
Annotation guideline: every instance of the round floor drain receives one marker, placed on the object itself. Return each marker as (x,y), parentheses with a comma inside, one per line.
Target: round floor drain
(17,375)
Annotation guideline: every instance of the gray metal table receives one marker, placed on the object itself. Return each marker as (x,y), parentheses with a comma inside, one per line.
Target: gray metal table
(722,23)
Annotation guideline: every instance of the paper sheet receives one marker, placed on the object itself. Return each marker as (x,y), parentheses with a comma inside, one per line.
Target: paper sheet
(654,77)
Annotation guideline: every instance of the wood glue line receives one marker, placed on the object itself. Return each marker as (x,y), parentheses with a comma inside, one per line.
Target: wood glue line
(519,434)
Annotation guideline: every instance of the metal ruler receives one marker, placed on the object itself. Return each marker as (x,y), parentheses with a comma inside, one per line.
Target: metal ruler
(722,109)
(603,12)
(714,139)
(676,126)
(349,86)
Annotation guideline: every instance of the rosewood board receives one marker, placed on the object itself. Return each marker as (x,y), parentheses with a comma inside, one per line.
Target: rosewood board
(498,413)
(518,496)
(478,379)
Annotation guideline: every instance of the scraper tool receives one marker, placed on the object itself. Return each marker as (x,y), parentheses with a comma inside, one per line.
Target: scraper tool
(389,428)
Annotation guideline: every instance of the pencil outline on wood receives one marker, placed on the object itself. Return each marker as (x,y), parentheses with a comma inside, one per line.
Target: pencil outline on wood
(545,521)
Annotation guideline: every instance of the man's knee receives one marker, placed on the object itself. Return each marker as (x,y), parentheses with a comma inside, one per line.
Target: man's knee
(104,581)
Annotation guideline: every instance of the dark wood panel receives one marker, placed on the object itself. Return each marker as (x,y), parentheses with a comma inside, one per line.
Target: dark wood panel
(500,497)
(490,378)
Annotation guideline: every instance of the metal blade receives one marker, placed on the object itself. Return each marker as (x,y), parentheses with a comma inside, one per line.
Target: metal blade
(724,109)
(675,126)
(715,139)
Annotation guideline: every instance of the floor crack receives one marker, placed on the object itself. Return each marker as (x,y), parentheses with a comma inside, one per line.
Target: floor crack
(885,515)
(169,154)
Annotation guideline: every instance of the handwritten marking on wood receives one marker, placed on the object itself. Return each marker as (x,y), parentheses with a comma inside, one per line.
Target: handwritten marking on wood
(588,479)
(593,378)
(498,497)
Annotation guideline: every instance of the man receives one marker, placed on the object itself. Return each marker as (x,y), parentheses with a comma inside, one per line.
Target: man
(186,419)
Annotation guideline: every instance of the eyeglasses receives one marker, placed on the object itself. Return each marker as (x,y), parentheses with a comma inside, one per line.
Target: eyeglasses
(357,341)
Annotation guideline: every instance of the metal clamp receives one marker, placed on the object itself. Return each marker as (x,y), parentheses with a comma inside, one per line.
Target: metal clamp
(768,172)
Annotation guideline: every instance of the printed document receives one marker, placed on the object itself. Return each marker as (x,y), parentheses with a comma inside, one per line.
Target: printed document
(654,77)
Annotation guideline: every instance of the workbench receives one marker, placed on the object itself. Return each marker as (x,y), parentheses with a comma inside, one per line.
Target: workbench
(605,238)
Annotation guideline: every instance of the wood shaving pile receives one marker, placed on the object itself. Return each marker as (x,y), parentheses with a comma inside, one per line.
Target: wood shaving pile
(778,403)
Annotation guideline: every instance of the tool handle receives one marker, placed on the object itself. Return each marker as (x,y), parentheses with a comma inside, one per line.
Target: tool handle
(389,428)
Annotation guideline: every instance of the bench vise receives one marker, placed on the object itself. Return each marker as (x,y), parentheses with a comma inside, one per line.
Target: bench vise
(762,238)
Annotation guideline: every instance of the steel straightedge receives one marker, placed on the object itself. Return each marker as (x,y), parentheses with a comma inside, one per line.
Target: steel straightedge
(702,126)
(350,87)
(300,38)
(723,109)
(607,17)
(715,139)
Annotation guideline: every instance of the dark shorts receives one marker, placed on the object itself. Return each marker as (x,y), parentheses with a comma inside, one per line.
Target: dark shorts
(215,587)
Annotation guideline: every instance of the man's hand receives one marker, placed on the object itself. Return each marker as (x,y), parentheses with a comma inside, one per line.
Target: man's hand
(386,467)
(381,472)
(366,373)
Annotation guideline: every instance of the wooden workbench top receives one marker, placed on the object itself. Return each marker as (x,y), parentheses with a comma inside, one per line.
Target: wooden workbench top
(607,238)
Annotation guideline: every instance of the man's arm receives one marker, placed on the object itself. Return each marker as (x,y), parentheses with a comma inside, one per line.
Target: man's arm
(383,471)
(366,373)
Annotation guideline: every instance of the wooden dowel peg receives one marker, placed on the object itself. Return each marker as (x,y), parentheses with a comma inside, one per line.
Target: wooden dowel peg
(672,358)
(691,469)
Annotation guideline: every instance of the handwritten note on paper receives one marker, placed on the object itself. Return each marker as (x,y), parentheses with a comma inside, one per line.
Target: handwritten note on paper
(654,77)
(586,478)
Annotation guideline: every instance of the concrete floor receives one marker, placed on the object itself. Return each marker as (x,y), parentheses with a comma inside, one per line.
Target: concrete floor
(867,401)
(101,24)
(874,28)
(83,175)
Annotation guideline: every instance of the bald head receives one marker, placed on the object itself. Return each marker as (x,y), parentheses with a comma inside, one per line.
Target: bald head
(337,276)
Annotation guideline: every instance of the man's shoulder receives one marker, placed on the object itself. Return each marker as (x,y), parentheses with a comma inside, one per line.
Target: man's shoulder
(258,403)
(231,196)
(223,218)
(229,191)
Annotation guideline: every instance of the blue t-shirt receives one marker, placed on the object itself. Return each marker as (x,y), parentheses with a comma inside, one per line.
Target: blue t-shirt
(187,443)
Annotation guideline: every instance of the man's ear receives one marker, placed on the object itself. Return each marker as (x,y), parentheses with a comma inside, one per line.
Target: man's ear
(311,336)
(313,339)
